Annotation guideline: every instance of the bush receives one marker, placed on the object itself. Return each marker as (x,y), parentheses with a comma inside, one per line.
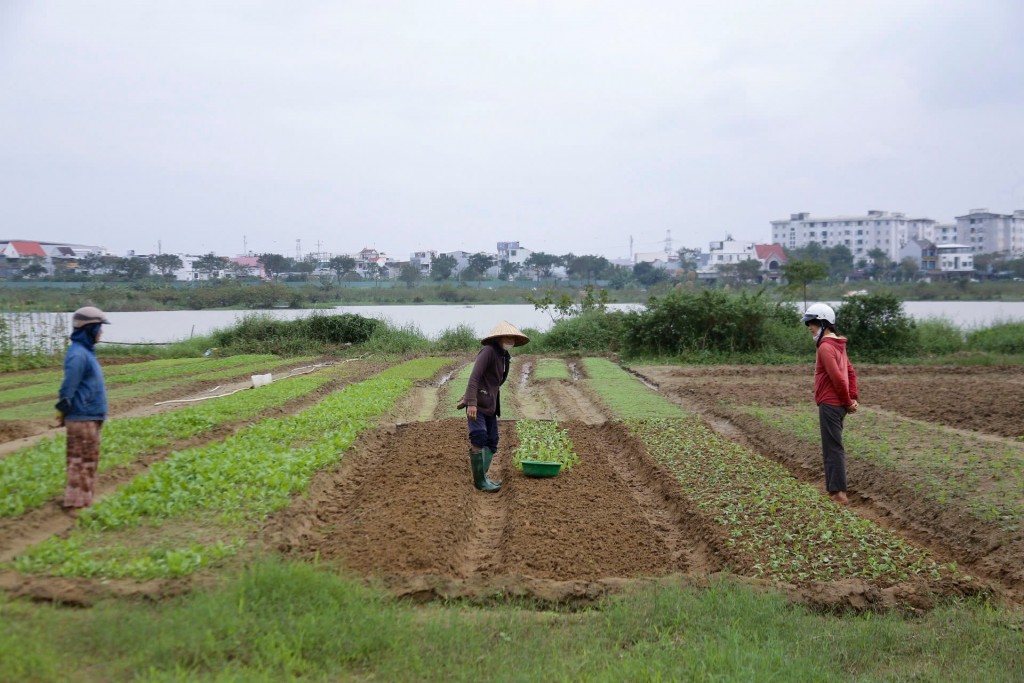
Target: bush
(260,333)
(1002,338)
(939,337)
(593,331)
(457,339)
(877,327)
(709,321)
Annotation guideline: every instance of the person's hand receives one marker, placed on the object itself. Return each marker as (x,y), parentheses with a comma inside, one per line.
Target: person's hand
(471,412)
(852,408)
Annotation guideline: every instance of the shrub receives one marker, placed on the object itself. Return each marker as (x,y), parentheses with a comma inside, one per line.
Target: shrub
(877,327)
(939,337)
(593,331)
(1002,338)
(712,320)
(457,339)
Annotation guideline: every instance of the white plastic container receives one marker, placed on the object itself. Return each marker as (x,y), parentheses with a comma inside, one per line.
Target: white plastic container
(262,380)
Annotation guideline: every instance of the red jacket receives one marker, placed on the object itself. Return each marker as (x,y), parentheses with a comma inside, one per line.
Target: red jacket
(835,381)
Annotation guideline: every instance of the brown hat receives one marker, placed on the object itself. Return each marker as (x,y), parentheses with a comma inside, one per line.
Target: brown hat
(506,329)
(88,315)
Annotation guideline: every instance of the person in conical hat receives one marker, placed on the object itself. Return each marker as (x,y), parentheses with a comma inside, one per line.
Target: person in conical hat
(482,399)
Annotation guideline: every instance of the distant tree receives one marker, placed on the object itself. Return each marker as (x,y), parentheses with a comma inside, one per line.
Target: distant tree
(237,270)
(342,266)
(587,267)
(542,263)
(34,267)
(306,265)
(620,278)
(908,269)
(799,274)
(91,263)
(689,258)
(509,270)
(479,263)
(749,270)
(274,264)
(840,262)
(167,264)
(373,270)
(136,268)
(647,275)
(881,263)
(211,264)
(442,266)
(409,274)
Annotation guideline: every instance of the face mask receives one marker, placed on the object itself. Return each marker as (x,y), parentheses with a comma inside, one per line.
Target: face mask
(507,347)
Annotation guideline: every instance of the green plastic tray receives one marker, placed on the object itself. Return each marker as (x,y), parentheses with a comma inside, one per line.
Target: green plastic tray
(536,468)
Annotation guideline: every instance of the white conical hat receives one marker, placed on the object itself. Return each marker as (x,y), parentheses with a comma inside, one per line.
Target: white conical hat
(506,329)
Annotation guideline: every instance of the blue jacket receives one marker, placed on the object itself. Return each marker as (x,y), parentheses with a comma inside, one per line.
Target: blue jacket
(83,380)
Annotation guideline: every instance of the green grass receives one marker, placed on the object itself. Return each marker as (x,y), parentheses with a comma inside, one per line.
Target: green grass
(983,476)
(280,621)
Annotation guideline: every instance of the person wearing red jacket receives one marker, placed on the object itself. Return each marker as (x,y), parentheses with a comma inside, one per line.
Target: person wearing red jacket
(835,392)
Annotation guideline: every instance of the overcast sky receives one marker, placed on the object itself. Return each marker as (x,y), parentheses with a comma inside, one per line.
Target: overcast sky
(204,125)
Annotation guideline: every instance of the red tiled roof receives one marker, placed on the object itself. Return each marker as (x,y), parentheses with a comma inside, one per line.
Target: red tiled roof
(28,249)
(766,251)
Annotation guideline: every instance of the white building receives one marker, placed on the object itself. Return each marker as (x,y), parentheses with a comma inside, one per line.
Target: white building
(988,233)
(883,230)
(955,258)
(724,253)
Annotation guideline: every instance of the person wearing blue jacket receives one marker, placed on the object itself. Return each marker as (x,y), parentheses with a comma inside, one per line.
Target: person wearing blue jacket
(82,407)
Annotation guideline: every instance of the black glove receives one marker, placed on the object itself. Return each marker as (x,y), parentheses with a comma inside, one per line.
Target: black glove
(63,406)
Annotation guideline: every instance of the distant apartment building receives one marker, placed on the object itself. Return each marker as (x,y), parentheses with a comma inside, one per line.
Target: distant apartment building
(885,230)
(986,232)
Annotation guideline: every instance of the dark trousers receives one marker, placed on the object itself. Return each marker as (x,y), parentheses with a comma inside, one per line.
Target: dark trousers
(483,431)
(830,419)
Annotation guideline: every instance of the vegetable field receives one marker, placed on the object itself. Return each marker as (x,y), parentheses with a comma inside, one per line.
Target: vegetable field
(667,472)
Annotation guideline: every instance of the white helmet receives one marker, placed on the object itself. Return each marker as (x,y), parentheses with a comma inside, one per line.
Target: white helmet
(818,312)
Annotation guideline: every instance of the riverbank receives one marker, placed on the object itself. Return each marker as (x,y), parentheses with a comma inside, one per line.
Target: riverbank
(112,297)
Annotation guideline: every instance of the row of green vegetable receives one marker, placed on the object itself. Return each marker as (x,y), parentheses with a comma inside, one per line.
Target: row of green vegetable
(127,375)
(133,372)
(31,476)
(773,525)
(982,475)
(41,410)
(226,486)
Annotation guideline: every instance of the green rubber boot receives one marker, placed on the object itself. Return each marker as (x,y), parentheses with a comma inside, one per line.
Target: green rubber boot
(476,463)
(488,457)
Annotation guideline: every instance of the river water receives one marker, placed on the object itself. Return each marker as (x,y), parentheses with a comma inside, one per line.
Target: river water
(431,320)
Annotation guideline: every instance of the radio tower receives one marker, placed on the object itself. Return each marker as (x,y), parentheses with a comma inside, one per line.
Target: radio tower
(668,242)
(298,250)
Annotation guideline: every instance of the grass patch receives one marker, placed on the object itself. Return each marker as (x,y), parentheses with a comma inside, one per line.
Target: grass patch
(624,394)
(279,621)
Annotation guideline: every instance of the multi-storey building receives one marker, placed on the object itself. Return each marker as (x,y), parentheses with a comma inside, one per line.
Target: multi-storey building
(991,233)
(884,230)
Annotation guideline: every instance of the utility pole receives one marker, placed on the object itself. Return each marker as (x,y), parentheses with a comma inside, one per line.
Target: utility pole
(630,247)
(159,247)
(245,246)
